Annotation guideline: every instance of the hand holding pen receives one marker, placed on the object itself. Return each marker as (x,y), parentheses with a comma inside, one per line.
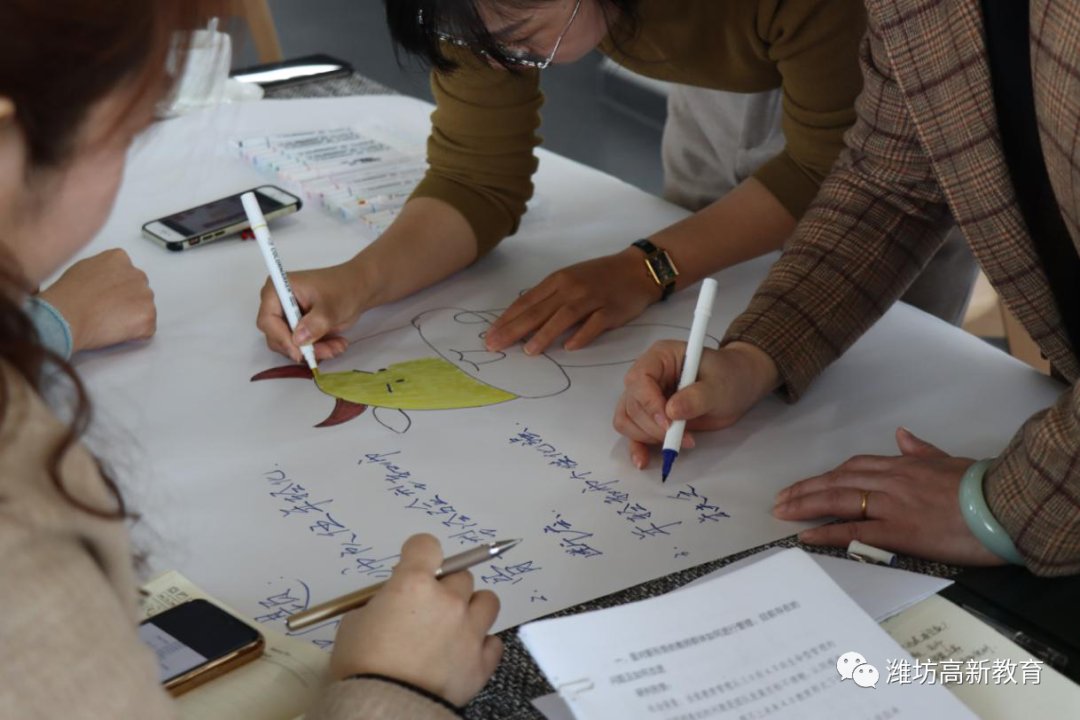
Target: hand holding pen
(730,381)
(358,598)
(673,438)
(430,633)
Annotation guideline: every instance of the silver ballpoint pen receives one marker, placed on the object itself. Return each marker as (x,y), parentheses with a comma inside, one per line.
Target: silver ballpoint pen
(359,598)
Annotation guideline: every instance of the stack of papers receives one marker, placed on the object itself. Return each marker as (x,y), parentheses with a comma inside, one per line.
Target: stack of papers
(777,639)
(355,173)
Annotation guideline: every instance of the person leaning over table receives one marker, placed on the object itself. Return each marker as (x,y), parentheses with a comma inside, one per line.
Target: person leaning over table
(487,57)
(67,585)
(970,108)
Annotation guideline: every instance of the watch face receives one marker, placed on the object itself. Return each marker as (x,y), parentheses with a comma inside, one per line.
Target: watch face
(663,269)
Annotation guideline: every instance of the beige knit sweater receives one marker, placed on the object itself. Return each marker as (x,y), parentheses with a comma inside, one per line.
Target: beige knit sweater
(68,646)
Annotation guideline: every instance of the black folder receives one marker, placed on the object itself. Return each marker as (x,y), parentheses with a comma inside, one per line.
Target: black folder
(1042,615)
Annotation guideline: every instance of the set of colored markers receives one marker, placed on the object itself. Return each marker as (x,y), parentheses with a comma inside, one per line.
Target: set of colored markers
(355,174)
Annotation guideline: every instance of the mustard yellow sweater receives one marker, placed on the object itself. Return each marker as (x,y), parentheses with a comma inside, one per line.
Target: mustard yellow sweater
(486,122)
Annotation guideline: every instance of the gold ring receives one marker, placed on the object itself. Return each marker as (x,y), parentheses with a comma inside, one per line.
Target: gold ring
(862,506)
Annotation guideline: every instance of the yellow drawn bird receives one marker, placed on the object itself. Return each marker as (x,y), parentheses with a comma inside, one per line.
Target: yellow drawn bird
(430,383)
(451,369)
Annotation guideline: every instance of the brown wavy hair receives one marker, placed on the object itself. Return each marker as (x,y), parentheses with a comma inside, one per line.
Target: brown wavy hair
(58,59)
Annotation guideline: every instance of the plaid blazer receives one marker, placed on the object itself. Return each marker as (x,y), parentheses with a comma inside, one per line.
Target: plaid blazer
(926,146)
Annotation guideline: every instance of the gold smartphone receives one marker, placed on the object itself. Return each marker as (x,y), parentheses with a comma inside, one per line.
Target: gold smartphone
(196,642)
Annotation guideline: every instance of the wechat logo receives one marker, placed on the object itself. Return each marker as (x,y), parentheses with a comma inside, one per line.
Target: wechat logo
(853,666)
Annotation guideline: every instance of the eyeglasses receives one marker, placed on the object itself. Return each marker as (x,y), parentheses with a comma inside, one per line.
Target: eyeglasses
(519,57)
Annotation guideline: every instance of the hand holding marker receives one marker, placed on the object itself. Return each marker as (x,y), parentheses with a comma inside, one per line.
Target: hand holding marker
(694,347)
(277,272)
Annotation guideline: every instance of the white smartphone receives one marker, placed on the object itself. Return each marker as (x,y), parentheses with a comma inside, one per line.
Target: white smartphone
(218,219)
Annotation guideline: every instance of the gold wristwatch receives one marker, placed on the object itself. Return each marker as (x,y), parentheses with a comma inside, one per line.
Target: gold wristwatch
(660,266)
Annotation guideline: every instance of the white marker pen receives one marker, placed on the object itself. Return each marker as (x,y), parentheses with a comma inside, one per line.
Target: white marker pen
(868,553)
(277,272)
(695,346)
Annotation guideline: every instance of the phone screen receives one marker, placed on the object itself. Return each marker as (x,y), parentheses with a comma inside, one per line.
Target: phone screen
(216,215)
(309,67)
(286,73)
(174,657)
(193,634)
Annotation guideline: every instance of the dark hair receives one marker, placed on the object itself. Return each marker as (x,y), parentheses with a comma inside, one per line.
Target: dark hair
(58,59)
(461,19)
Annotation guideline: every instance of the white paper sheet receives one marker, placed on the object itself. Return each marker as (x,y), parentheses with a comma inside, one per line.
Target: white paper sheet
(879,590)
(212,460)
(770,640)
(553,707)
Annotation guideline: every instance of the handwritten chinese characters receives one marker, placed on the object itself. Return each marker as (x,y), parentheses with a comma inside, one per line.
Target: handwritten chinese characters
(573,540)
(643,521)
(297,504)
(707,511)
(453,524)
(463,528)
(287,599)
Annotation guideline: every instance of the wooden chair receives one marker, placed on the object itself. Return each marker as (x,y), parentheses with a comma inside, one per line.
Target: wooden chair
(1021,345)
(988,317)
(260,22)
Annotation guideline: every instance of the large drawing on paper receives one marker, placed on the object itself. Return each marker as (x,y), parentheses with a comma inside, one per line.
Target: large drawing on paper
(442,364)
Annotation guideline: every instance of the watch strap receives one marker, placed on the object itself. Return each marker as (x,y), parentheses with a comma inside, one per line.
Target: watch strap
(646,247)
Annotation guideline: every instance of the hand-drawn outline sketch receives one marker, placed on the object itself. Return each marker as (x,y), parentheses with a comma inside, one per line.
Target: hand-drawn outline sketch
(452,370)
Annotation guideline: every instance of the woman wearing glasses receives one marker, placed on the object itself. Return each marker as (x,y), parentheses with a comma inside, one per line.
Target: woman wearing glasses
(487,57)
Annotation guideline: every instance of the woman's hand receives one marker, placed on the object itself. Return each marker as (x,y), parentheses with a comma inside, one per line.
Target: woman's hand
(427,632)
(731,380)
(330,301)
(598,295)
(912,504)
(106,301)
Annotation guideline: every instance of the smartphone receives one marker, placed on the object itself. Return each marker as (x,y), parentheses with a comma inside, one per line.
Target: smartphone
(196,642)
(218,219)
(294,72)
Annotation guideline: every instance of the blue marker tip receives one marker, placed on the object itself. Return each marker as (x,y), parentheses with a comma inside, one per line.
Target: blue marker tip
(669,460)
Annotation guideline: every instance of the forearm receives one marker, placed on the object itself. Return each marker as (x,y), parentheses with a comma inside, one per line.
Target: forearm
(1031,487)
(877,220)
(427,243)
(375,700)
(756,368)
(851,257)
(607,292)
(744,224)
